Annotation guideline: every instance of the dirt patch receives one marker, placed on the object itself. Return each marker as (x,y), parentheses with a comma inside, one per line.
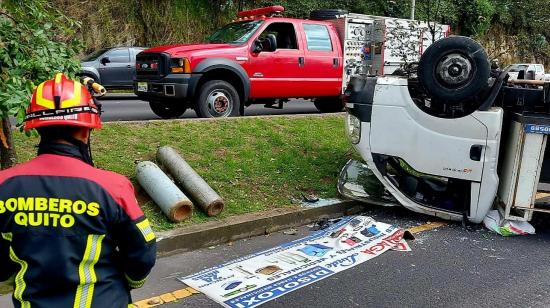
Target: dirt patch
(221,152)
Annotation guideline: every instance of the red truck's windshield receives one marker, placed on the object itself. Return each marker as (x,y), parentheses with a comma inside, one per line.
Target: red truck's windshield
(235,33)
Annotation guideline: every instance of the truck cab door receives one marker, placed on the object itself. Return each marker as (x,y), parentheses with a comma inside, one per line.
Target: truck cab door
(115,67)
(323,61)
(278,73)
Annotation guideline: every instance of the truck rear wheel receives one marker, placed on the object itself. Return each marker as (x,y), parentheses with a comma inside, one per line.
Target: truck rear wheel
(168,110)
(217,99)
(454,70)
(328,104)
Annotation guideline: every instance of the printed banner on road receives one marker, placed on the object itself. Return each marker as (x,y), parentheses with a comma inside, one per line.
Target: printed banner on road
(258,278)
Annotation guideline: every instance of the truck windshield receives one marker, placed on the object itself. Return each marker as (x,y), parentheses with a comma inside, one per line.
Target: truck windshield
(94,55)
(235,33)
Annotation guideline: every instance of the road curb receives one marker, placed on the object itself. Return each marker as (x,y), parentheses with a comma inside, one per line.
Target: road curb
(243,226)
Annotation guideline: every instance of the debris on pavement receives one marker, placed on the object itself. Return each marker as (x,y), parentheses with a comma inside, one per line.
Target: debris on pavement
(252,280)
(357,182)
(496,223)
(321,202)
(322,224)
(309,198)
(291,231)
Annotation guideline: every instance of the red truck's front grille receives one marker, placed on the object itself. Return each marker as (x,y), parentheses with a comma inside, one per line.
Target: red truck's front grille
(151,65)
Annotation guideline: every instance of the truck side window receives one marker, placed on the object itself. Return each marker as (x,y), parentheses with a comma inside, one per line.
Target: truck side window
(285,33)
(318,37)
(119,55)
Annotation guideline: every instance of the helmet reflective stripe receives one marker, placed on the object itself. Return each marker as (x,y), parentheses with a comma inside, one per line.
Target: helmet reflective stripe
(40,100)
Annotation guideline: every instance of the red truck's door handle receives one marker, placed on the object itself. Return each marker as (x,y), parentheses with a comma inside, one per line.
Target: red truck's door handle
(301,61)
(335,62)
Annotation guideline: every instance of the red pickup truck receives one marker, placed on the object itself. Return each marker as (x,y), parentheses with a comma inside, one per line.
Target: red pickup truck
(260,58)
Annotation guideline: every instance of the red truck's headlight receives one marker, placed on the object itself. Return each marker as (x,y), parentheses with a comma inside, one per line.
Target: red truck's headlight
(180,66)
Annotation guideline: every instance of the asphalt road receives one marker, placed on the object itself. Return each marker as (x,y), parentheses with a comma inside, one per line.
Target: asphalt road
(447,267)
(118,107)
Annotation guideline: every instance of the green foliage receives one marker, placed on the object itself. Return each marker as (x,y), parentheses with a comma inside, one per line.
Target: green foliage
(301,9)
(528,22)
(107,23)
(36,42)
(466,17)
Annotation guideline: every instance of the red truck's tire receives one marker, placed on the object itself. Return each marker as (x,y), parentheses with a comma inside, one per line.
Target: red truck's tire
(328,104)
(216,99)
(168,110)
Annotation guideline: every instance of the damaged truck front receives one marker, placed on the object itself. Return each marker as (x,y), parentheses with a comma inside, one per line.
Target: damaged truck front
(454,139)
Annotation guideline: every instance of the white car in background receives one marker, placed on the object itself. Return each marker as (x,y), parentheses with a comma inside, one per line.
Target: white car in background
(527,67)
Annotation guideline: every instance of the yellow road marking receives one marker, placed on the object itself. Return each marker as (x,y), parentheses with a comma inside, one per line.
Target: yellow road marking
(427,227)
(186,292)
(166,298)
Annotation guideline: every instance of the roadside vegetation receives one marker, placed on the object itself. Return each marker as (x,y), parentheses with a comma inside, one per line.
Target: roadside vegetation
(255,164)
(511,31)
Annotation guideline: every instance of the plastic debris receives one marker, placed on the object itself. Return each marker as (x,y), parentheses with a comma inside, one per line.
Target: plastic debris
(496,223)
(320,202)
(290,231)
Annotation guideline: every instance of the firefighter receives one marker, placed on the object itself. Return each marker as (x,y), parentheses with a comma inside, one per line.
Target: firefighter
(72,235)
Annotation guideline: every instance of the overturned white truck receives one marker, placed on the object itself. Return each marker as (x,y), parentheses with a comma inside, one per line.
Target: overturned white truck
(455,139)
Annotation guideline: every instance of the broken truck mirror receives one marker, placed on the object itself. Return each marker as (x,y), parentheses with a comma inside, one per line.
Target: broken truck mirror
(357,182)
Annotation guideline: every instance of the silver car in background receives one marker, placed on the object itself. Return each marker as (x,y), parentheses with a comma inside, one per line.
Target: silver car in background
(114,68)
(536,69)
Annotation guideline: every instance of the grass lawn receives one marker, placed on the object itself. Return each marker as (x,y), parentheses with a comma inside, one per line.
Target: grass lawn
(254,164)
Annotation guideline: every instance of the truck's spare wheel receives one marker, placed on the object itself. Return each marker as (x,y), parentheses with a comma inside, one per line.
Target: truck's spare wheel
(454,70)
(326,14)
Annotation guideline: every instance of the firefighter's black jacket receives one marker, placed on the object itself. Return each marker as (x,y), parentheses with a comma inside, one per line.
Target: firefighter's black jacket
(71,235)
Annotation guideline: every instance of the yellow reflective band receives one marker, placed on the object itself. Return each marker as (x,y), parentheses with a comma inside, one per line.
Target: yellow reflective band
(20,284)
(86,272)
(7,236)
(134,284)
(145,228)
(58,77)
(40,100)
(75,100)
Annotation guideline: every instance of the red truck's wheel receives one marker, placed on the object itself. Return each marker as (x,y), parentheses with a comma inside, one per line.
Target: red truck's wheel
(217,98)
(328,104)
(168,110)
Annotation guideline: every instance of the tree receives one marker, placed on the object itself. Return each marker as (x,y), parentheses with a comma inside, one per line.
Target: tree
(36,41)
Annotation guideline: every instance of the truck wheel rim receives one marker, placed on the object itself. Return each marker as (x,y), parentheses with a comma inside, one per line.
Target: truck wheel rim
(219,104)
(454,70)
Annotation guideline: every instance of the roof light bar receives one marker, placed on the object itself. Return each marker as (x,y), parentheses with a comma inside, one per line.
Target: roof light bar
(270,10)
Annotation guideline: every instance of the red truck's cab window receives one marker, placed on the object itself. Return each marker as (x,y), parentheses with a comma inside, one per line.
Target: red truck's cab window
(317,37)
(285,34)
